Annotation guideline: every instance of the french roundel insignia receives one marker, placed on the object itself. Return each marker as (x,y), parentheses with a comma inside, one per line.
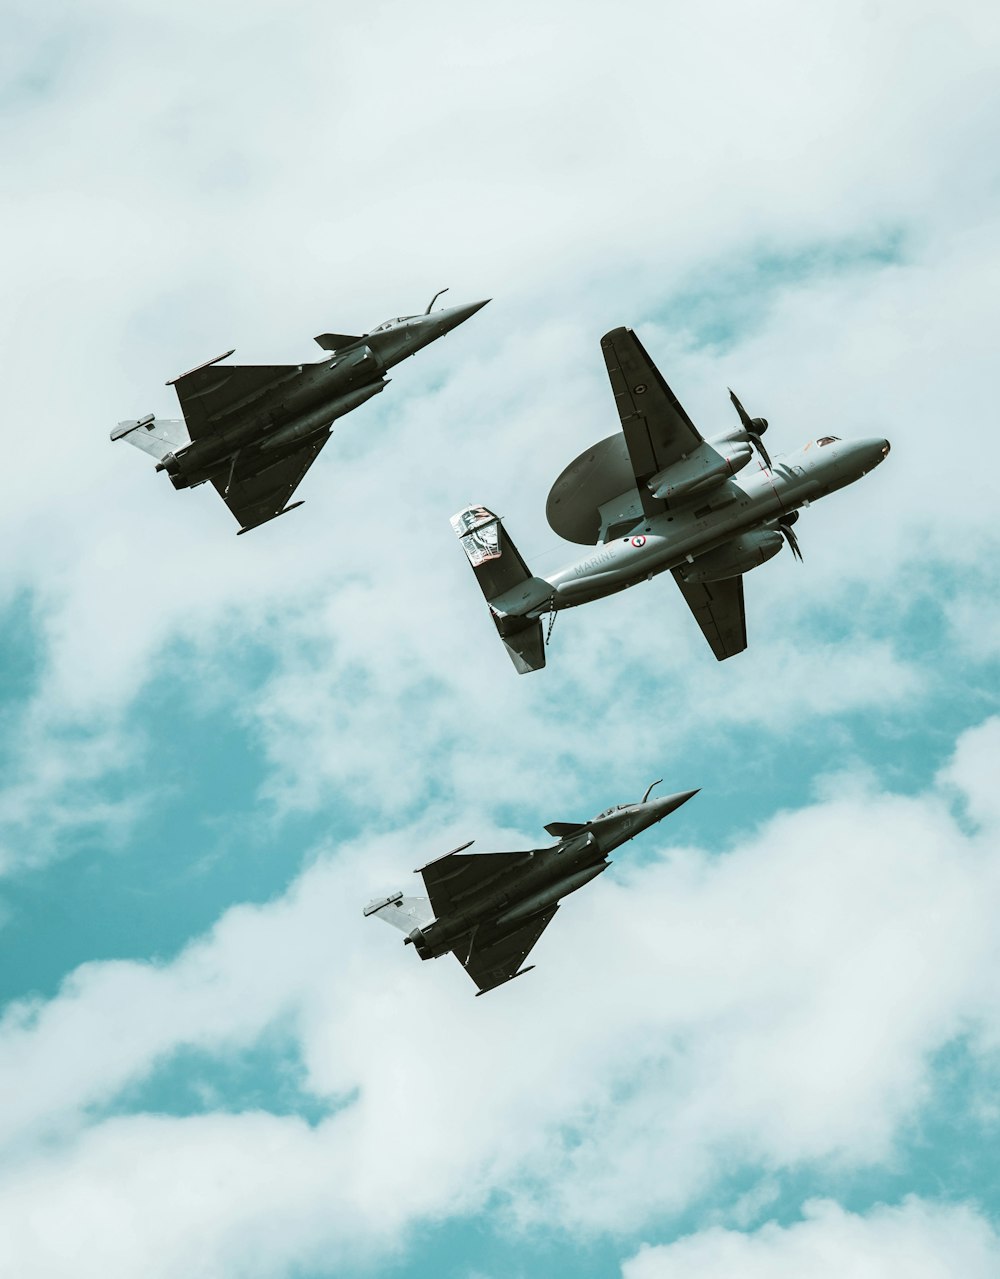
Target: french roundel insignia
(639,541)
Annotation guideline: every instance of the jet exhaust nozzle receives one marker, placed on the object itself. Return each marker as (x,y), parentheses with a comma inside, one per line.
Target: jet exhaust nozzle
(169,463)
(419,942)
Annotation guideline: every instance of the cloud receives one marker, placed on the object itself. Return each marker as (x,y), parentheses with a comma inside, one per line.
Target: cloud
(827,180)
(920,1239)
(774,1006)
(274,185)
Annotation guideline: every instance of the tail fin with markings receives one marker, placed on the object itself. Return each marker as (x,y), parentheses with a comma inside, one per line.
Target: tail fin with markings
(514,596)
(157,438)
(404,913)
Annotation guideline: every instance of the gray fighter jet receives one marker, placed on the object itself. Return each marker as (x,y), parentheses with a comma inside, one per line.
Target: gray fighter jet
(254,430)
(489,909)
(658,496)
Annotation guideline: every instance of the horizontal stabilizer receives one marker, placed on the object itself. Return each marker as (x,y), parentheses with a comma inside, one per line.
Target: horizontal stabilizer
(559,830)
(335,341)
(524,597)
(157,438)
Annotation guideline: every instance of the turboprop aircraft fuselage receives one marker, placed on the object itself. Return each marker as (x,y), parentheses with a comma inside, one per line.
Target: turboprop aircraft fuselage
(751,503)
(659,497)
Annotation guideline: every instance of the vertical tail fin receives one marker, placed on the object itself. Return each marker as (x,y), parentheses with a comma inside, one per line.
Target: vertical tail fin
(157,438)
(511,591)
(404,913)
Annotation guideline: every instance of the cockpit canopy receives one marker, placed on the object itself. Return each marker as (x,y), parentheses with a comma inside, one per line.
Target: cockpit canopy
(608,812)
(827,439)
(391,324)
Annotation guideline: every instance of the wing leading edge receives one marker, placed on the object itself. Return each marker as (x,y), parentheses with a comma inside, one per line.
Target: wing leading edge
(657,430)
(210,393)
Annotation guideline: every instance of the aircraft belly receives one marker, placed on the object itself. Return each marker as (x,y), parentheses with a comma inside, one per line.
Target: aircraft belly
(669,542)
(539,878)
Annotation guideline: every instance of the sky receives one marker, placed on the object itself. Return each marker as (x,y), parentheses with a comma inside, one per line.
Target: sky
(767,1042)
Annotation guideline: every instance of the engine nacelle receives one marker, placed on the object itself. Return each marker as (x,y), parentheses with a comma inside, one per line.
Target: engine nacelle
(738,556)
(736,448)
(703,468)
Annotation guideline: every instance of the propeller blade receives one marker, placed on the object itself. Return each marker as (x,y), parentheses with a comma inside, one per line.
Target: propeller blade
(758,444)
(745,417)
(754,427)
(791,539)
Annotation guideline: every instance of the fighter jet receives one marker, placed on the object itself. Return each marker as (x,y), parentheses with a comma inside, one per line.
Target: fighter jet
(254,430)
(657,496)
(489,909)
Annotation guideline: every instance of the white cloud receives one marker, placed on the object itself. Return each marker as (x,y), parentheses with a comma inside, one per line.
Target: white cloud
(772,1006)
(328,169)
(195,177)
(919,1239)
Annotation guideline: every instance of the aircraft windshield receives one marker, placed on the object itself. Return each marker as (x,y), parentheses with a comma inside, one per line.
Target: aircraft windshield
(389,324)
(827,439)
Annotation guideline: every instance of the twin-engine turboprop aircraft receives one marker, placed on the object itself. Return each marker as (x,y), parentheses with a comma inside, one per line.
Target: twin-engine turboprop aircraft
(658,496)
(489,909)
(254,430)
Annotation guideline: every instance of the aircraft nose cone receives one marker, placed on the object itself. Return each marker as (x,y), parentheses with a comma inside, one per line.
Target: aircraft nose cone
(451,317)
(867,454)
(670,803)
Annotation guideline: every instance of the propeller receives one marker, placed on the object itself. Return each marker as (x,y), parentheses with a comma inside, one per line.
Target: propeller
(753,426)
(785,527)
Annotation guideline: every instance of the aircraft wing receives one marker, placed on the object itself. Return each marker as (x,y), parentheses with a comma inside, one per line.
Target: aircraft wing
(453,878)
(215,390)
(257,493)
(495,957)
(718,610)
(657,430)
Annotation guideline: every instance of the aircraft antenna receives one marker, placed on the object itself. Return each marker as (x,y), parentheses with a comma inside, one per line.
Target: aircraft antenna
(434,299)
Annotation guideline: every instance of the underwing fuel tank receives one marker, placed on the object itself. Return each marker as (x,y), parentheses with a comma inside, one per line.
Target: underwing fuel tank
(550,894)
(300,428)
